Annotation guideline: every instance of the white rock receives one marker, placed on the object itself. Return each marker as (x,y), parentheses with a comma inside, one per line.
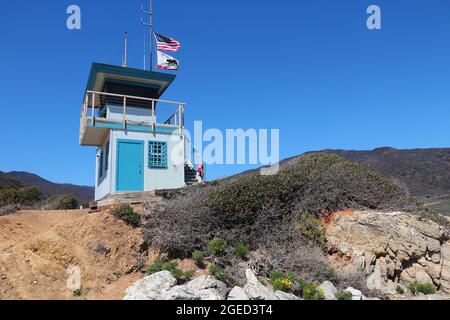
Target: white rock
(208,288)
(180,293)
(237,293)
(285,296)
(370,298)
(356,294)
(255,290)
(151,287)
(422,277)
(329,290)
(373,281)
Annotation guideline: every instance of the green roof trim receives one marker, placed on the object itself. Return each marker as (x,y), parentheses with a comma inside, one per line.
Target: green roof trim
(129,73)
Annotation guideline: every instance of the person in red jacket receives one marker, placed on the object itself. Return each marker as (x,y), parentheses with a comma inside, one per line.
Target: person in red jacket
(201,171)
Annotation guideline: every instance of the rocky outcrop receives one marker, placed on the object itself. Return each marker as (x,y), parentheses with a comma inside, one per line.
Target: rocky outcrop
(163,286)
(391,248)
(151,287)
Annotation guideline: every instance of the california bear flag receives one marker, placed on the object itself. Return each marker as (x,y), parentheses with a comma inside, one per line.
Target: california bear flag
(167,62)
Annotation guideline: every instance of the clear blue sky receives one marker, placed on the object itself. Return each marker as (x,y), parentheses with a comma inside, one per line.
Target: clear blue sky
(310,68)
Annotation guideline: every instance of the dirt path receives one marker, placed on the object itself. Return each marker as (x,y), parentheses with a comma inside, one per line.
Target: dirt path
(38,247)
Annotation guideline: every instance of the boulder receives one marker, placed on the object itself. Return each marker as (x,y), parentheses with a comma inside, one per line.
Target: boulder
(180,293)
(151,287)
(374,281)
(208,288)
(356,294)
(281,295)
(255,290)
(237,293)
(329,290)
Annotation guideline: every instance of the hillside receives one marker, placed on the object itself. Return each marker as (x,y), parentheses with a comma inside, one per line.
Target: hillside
(293,231)
(7,182)
(39,248)
(425,172)
(267,212)
(81,193)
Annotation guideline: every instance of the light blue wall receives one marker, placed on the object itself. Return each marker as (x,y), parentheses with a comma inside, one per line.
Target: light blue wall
(133,114)
(154,179)
(103,184)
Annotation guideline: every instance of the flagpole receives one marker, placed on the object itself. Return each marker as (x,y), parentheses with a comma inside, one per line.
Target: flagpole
(151,35)
(150,24)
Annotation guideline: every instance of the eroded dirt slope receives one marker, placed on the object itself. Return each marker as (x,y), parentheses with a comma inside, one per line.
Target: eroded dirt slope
(38,247)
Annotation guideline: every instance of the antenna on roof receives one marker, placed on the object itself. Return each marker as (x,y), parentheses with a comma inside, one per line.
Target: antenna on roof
(145,52)
(125,48)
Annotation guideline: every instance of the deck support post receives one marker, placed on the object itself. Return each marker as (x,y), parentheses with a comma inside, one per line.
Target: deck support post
(153,116)
(93,110)
(124,119)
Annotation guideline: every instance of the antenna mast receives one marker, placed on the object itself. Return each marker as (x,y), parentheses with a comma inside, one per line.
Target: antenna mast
(125,48)
(150,24)
(145,53)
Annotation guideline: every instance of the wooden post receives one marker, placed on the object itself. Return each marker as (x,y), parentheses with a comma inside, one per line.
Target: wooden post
(153,116)
(93,110)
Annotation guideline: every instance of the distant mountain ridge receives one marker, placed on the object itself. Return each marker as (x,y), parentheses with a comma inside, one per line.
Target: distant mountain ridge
(425,172)
(7,182)
(18,179)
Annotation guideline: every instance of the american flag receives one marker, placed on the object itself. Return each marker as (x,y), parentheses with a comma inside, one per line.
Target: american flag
(166,44)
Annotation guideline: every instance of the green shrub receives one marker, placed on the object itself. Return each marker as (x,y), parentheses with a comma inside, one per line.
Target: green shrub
(61,202)
(77,292)
(311,292)
(198,257)
(217,272)
(241,249)
(282,284)
(310,228)
(344,295)
(275,275)
(172,267)
(400,290)
(217,246)
(189,274)
(126,213)
(28,196)
(425,288)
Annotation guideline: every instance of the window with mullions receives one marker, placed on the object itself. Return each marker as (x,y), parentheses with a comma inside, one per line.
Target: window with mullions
(157,154)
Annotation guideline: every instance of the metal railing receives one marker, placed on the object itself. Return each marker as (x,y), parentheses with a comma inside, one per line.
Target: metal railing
(94,104)
(193,156)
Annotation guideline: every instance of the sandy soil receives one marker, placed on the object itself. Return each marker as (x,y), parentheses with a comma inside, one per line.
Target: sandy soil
(38,247)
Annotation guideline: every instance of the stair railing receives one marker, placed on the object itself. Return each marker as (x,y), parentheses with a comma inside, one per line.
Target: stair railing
(191,158)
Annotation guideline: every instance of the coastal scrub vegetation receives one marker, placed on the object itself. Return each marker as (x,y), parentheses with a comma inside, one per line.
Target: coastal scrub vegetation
(277,215)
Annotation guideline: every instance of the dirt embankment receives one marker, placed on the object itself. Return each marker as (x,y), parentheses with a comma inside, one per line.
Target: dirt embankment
(37,248)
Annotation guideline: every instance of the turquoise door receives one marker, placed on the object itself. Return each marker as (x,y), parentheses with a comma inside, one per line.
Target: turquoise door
(130,165)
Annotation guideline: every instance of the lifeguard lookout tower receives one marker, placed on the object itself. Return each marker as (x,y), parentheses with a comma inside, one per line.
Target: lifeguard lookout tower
(140,140)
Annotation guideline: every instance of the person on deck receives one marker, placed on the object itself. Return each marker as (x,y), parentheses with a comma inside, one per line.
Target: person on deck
(201,172)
